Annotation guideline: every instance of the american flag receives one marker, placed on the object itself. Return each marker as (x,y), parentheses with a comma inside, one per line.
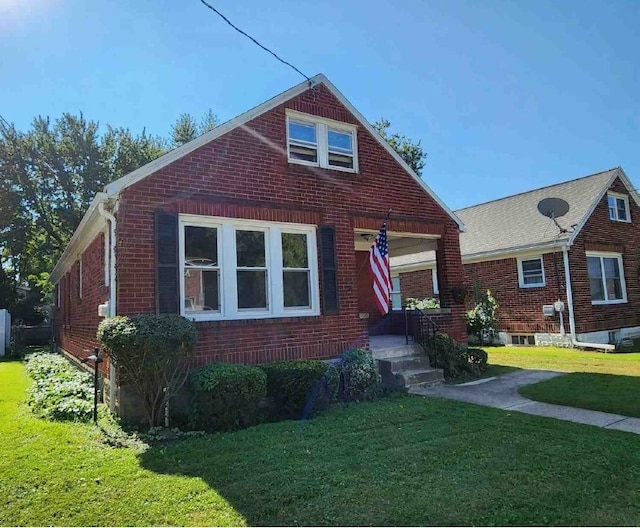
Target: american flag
(379,267)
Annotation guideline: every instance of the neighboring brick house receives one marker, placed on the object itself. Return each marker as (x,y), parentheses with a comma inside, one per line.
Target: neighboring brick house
(593,267)
(257,230)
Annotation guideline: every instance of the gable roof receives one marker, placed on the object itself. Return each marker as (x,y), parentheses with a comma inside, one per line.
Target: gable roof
(514,224)
(80,238)
(122,183)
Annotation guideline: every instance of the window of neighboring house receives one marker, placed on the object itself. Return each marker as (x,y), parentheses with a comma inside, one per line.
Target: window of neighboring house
(321,142)
(606,278)
(240,269)
(396,295)
(434,280)
(618,207)
(531,272)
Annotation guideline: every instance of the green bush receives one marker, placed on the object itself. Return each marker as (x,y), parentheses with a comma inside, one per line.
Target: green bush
(456,360)
(153,354)
(226,396)
(300,388)
(476,362)
(359,377)
(59,391)
(422,304)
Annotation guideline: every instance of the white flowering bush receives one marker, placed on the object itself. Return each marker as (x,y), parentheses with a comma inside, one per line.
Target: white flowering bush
(359,377)
(59,391)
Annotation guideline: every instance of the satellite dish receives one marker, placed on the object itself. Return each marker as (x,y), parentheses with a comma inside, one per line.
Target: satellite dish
(553,207)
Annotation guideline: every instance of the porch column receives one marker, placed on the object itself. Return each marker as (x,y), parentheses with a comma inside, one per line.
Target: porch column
(451,282)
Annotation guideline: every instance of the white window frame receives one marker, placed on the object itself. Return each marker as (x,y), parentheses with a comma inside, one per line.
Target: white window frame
(623,284)
(227,264)
(434,281)
(625,199)
(395,292)
(521,272)
(323,126)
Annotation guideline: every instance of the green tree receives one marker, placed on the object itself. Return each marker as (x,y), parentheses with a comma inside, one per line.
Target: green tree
(409,150)
(186,127)
(482,319)
(48,177)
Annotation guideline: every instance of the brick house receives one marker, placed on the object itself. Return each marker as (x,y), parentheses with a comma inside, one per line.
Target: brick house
(258,231)
(591,262)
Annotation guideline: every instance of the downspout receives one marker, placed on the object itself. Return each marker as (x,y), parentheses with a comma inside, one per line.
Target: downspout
(112,294)
(572,320)
(567,281)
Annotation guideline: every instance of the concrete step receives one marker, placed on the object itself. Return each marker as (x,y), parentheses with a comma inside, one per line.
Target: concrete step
(418,377)
(405,372)
(395,351)
(411,362)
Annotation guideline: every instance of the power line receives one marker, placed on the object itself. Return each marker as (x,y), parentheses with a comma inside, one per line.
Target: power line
(253,40)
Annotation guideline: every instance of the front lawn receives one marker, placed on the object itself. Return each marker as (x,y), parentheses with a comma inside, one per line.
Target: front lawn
(599,392)
(404,460)
(565,360)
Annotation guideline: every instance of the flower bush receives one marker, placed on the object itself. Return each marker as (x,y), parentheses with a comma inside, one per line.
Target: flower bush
(60,391)
(359,377)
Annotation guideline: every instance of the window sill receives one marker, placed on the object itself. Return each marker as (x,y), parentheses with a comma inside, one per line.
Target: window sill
(250,317)
(318,166)
(619,221)
(529,286)
(604,303)
(221,323)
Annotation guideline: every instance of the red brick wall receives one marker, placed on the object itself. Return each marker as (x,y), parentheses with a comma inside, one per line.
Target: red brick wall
(602,234)
(76,319)
(245,174)
(520,309)
(416,285)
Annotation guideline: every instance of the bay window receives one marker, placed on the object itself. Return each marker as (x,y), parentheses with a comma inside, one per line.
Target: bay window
(241,269)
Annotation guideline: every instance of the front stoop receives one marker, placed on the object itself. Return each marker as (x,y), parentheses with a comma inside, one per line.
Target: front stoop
(410,371)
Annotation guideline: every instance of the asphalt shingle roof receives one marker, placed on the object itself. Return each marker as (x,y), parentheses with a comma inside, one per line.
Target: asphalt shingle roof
(514,222)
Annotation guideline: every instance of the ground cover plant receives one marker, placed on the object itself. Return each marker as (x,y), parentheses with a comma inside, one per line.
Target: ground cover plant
(59,391)
(403,460)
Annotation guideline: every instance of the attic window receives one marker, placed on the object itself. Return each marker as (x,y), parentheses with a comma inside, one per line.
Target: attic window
(320,142)
(618,207)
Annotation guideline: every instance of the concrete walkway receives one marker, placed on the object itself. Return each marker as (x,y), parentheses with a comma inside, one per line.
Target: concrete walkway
(502,392)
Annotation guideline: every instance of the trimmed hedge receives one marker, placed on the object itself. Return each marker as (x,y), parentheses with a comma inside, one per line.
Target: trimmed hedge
(455,359)
(300,388)
(226,397)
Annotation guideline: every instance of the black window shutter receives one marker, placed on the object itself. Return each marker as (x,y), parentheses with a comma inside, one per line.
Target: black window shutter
(328,274)
(167,285)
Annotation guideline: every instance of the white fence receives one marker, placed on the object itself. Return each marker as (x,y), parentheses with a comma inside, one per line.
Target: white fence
(5,332)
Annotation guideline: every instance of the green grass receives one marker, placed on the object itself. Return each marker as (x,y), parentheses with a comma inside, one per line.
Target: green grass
(599,392)
(565,360)
(403,460)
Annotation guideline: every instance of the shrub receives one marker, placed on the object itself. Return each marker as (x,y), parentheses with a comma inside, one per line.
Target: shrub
(300,388)
(476,361)
(153,353)
(482,318)
(226,397)
(59,391)
(359,377)
(423,304)
(455,359)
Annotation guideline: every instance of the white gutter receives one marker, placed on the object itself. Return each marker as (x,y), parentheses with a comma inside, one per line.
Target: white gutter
(112,292)
(572,320)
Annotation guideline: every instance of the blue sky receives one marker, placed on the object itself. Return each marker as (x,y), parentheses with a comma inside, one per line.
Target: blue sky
(505,96)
